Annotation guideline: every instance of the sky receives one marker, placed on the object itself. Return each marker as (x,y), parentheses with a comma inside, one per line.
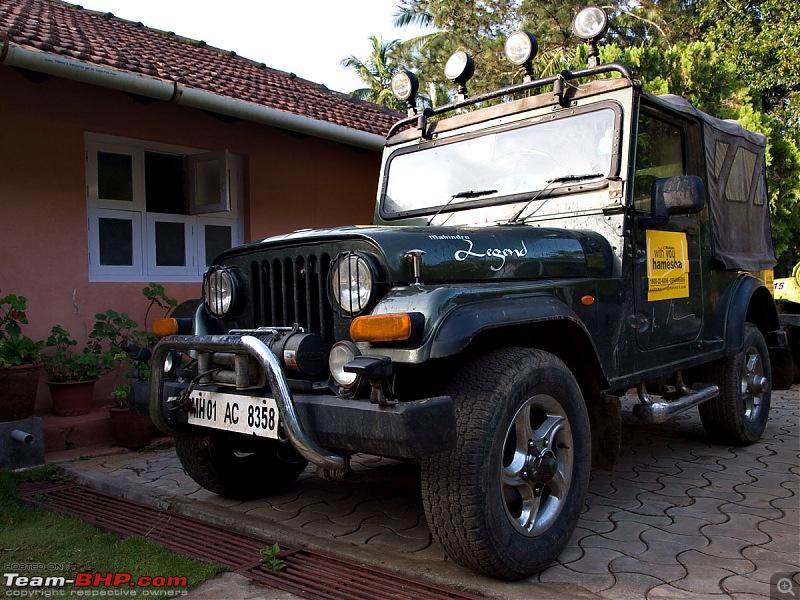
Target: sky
(305,37)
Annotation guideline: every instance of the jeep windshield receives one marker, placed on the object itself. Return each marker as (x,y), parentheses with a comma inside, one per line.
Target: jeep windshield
(498,166)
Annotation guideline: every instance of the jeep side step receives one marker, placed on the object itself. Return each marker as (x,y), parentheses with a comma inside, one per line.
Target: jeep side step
(655,413)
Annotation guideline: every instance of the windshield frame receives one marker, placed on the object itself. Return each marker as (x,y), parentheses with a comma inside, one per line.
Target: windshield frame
(526,120)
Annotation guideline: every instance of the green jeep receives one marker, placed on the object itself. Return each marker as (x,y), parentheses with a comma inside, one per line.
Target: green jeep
(530,261)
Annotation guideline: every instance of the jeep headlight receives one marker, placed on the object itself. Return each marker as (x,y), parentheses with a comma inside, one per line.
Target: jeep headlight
(352,282)
(220,288)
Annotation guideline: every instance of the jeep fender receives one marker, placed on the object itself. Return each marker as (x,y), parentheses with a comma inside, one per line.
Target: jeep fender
(745,300)
(462,324)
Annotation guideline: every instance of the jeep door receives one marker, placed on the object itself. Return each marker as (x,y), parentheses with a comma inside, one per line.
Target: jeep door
(667,274)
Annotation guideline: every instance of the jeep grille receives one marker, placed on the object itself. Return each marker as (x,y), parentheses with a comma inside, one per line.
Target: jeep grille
(292,289)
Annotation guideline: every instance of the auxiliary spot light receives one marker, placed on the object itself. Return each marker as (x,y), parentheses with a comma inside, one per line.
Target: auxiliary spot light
(459,69)
(590,24)
(405,85)
(521,48)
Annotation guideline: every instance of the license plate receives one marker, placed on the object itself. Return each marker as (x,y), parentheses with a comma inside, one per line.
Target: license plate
(241,414)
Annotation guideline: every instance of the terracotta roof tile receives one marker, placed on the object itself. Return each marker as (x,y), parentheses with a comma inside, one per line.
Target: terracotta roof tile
(68,30)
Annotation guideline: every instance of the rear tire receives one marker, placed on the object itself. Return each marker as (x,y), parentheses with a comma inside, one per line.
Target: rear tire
(506,500)
(739,414)
(239,469)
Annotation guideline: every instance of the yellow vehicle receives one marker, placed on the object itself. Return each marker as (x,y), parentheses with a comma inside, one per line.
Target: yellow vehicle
(788,289)
(787,301)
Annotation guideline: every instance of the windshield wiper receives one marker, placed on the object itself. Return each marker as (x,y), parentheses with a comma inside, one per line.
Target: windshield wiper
(464,194)
(550,182)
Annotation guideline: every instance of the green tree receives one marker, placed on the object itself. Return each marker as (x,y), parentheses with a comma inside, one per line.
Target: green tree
(376,73)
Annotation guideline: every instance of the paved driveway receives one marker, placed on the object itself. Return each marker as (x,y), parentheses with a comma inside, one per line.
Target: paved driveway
(677,518)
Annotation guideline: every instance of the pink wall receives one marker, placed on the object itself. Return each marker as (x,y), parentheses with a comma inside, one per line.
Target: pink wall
(292,182)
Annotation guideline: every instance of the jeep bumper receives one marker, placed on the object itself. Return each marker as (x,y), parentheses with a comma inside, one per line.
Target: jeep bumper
(313,423)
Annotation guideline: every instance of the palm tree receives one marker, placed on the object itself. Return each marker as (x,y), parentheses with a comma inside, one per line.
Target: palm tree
(376,73)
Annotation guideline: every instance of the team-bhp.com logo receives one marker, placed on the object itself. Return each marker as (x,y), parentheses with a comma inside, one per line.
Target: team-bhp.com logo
(93,585)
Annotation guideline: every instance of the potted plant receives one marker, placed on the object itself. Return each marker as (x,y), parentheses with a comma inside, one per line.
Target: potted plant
(72,373)
(139,346)
(20,361)
(129,430)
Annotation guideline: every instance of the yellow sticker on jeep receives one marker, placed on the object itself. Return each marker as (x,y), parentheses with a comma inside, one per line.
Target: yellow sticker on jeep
(667,265)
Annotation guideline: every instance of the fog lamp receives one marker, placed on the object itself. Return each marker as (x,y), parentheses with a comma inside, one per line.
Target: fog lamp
(342,353)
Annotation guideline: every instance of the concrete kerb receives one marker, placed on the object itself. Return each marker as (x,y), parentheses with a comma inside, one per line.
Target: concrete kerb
(442,573)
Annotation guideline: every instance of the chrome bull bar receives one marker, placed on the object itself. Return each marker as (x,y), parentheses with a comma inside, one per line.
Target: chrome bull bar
(241,344)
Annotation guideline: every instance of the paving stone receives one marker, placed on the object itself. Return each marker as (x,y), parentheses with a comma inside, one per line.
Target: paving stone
(631,586)
(626,546)
(760,555)
(594,560)
(594,582)
(784,540)
(768,481)
(790,503)
(740,526)
(664,571)
(758,505)
(621,516)
(669,543)
(703,579)
(714,490)
(725,547)
(669,592)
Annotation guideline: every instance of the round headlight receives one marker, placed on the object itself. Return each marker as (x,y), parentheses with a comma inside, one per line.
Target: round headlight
(590,23)
(219,291)
(521,47)
(404,85)
(352,282)
(341,354)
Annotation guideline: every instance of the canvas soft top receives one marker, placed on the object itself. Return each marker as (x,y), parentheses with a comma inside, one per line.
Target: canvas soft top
(737,189)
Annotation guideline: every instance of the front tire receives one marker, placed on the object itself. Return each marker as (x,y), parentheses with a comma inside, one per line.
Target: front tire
(235,468)
(739,414)
(506,500)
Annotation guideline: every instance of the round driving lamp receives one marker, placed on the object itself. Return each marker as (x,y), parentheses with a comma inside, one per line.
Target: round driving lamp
(220,291)
(404,85)
(342,353)
(590,23)
(459,67)
(521,48)
(352,282)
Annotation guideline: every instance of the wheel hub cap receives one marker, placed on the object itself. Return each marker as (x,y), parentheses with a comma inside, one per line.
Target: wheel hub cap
(537,465)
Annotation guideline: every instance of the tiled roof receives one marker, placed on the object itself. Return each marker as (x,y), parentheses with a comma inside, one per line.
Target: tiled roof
(101,39)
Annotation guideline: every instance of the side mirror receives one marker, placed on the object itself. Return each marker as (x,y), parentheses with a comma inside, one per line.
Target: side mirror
(683,194)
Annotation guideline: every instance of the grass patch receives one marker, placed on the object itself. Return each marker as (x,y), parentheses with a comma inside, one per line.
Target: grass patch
(38,543)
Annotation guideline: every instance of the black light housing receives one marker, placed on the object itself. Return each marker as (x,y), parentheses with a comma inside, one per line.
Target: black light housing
(404,86)
(590,24)
(459,69)
(521,48)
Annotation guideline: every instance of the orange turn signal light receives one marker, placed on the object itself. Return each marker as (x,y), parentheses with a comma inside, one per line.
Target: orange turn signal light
(587,300)
(164,327)
(381,328)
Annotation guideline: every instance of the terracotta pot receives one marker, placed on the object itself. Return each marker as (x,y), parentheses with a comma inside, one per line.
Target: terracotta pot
(71,398)
(130,430)
(18,391)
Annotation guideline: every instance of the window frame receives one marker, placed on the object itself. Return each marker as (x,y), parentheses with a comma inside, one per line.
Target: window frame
(144,268)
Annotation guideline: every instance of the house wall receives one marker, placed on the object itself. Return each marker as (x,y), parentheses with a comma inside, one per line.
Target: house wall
(291,182)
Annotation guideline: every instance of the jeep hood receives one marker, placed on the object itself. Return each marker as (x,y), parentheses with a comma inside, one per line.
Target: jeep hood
(452,253)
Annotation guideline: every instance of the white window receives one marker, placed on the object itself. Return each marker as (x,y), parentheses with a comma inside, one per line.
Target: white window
(157,211)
